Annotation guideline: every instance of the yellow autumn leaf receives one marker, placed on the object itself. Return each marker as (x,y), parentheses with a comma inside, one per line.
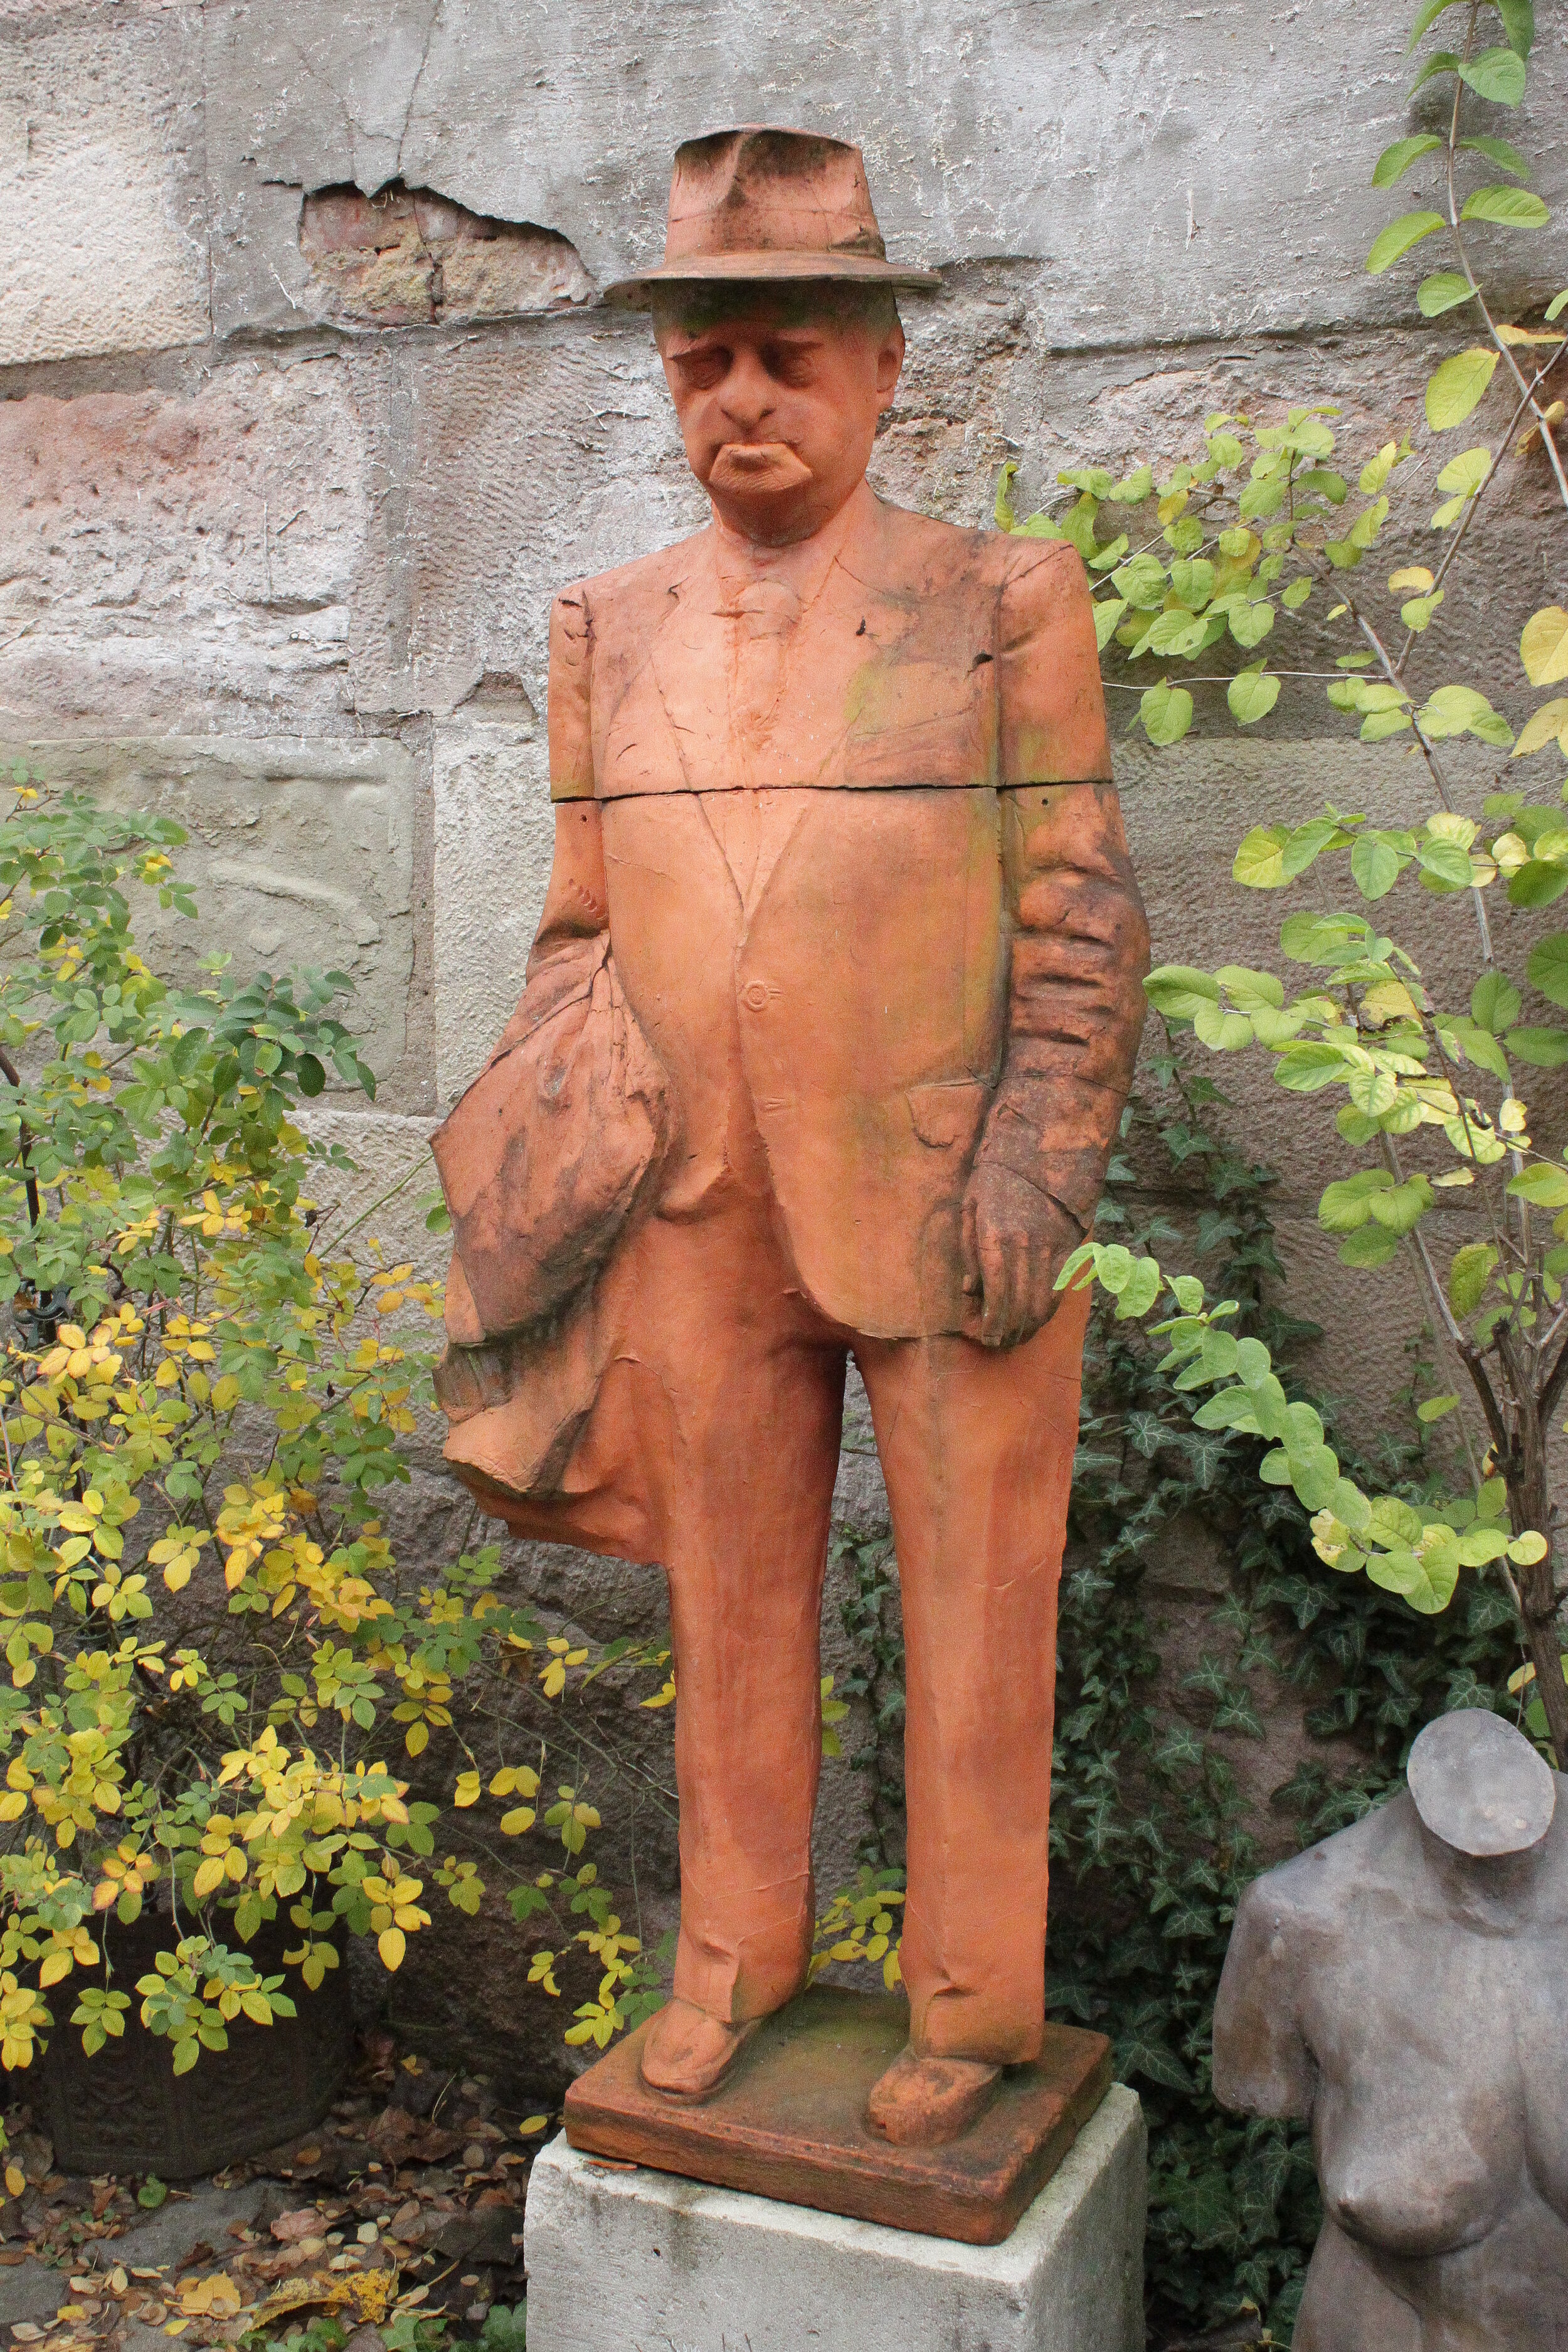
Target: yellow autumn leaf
(15,2180)
(211,1874)
(1549,725)
(215,2297)
(1544,645)
(520,1817)
(392,1944)
(1413,576)
(467,1789)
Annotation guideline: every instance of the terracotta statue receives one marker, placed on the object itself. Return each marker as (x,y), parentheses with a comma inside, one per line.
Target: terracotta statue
(826,1032)
(1404,1985)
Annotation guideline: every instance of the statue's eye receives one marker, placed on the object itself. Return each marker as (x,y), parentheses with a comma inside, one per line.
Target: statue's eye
(790,365)
(701,371)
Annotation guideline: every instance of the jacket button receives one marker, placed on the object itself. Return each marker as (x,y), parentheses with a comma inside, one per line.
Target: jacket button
(754,995)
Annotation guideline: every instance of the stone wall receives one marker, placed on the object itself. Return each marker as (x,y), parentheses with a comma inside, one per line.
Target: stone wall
(288,476)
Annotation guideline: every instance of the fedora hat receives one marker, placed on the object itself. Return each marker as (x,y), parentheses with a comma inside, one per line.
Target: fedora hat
(759,204)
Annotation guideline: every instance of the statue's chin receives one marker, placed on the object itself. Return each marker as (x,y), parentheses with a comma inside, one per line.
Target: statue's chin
(757,469)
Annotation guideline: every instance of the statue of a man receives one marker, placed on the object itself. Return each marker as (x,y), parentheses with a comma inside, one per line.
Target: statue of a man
(842,957)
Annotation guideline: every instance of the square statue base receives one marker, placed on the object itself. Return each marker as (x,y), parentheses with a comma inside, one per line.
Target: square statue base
(789,2121)
(624,2260)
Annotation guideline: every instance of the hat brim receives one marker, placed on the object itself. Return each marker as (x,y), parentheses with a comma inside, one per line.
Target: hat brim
(765,268)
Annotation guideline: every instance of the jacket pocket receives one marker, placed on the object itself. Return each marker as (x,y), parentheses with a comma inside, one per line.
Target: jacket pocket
(948,1112)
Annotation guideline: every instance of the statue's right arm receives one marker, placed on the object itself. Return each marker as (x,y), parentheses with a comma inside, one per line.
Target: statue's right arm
(576,906)
(1262,2065)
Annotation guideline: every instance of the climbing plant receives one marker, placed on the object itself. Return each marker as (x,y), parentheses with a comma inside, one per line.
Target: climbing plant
(1261,533)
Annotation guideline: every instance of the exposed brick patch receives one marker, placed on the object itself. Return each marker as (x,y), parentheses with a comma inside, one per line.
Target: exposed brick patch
(408,257)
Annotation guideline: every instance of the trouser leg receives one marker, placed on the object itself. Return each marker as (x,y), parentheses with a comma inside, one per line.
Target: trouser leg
(978,1447)
(738,1399)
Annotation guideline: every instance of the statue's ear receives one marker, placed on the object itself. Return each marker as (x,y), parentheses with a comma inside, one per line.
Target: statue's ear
(1261,2063)
(891,362)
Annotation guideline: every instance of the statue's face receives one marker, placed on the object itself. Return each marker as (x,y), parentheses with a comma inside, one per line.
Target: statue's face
(778,397)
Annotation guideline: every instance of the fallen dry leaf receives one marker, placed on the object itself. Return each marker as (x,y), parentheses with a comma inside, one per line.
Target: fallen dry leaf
(305,2222)
(216,2297)
(367,2295)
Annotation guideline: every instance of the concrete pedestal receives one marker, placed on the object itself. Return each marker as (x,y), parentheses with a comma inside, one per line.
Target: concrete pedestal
(634,2261)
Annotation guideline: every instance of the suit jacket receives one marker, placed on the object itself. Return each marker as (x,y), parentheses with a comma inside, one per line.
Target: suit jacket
(937,933)
(874,922)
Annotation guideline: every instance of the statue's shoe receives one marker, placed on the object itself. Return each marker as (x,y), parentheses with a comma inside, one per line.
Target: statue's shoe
(921,2102)
(687,2053)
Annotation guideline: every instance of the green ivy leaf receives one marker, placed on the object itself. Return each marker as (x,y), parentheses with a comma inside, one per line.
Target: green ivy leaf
(1180,992)
(1374,865)
(1499,152)
(1496,74)
(1441,61)
(1259,863)
(1426,16)
(1509,208)
(1134,489)
(1307,1067)
(1537,884)
(1457,386)
(1251,623)
(1518,22)
(1249,991)
(1543,1049)
(1252,696)
(1346,1206)
(1495,1003)
(1542,1183)
(1444,290)
(1469,1276)
(1166,712)
(1401,1207)
(1428,1586)
(1547,968)
(1003,510)
(1225,1033)
(1462,710)
(1372,1245)
(1396,160)
(1107,611)
(1398,238)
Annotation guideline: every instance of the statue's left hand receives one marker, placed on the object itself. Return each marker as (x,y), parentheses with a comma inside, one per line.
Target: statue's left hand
(1016,1241)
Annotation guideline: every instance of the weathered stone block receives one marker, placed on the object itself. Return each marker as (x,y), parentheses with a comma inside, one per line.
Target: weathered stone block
(987,132)
(300,853)
(174,560)
(628,2261)
(516,463)
(495,832)
(102,247)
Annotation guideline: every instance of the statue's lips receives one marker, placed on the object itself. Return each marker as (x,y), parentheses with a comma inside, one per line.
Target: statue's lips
(758,466)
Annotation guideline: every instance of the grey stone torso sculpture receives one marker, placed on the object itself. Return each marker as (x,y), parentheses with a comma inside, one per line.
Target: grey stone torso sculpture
(1404,1985)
